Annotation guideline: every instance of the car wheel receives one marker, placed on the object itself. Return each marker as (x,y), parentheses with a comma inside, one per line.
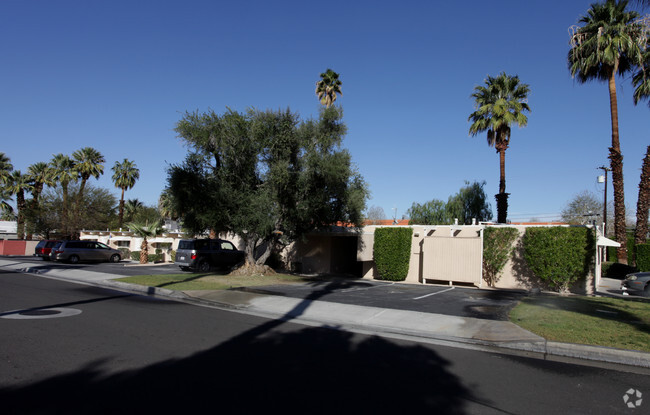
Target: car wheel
(204,266)
(115,258)
(646,290)
(73,259)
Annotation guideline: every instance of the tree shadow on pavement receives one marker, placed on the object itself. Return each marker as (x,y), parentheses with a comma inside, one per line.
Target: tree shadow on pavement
(271,367)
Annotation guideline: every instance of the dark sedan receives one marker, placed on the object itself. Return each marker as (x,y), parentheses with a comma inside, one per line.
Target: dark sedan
(637,281)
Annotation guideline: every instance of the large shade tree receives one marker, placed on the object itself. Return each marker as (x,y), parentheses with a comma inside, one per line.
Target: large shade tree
(125,174)
(609,41)
(327,87)
(499,104)
(264,176)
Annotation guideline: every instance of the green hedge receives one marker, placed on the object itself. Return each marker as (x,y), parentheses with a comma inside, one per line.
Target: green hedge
(135,255)
(392,253)
(497,249)
(643,257)
(559,256)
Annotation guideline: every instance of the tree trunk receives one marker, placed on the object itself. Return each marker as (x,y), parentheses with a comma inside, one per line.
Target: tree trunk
(643,204)
(616,160)
(502,197)
(144,254)
(121,213)
(20,204)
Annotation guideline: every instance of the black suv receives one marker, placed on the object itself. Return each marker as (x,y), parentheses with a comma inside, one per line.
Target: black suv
(204,254)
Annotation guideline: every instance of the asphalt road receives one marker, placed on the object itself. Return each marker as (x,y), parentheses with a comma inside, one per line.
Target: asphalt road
(124,353)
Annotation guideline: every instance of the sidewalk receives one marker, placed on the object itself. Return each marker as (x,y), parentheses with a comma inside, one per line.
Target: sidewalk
(488,335)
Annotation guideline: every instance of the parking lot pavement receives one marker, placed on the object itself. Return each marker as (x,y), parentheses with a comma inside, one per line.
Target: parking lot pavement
(454,301)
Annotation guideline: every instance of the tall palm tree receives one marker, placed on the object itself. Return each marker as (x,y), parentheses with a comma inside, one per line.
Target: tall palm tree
(144,231)
(610,42)
(63,172)
(327,88)
(125,175)
(18,184)
(643,203)
(39,175)
(5,172)
(499,103)
(88,163)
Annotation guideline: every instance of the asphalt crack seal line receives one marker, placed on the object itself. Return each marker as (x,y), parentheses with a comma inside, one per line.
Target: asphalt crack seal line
(40,313)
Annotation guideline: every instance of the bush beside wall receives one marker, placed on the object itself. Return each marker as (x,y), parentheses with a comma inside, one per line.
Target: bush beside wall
(392,253)
(559,256)
(497,250)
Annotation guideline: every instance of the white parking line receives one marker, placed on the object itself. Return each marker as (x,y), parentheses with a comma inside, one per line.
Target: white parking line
(439,292)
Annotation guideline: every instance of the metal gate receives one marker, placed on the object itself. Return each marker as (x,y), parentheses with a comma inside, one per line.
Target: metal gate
(453,259)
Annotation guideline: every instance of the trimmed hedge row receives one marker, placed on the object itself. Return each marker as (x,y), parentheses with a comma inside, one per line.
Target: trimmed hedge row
(559,256)
(392,253)
(643,257)
(135,255)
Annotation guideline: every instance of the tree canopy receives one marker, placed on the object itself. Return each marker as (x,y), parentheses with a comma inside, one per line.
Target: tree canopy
(469,203)
(263,174)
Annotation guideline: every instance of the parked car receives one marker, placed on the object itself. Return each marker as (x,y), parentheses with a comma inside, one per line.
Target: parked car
(204,254)
(637,281)
(44,247)
(76,251)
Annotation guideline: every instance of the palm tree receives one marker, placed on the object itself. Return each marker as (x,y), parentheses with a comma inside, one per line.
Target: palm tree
(39,175)
(18,184)
(643,203)
(144,231)
(63,172)
(125,175)
(5,167)
(499,104)
(5,172)
(131,208)
(327,88)
(608,43)
(88,163)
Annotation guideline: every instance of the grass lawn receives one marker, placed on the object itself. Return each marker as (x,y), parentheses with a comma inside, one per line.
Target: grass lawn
(211,281)
(599,321)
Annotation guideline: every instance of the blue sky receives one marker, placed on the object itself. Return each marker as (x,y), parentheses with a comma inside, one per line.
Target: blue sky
(117,75)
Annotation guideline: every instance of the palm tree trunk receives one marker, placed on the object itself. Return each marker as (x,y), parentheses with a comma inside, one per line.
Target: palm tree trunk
(502,197)
(20,204)
(616,160)
(121,215)
(643,204)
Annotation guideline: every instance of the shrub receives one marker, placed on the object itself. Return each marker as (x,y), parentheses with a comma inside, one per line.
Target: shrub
(616,270)
(155,257)
(392,253)
(643,257)
(135,255)
(497,249)
(559,256)
(126,253)
(172,254)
